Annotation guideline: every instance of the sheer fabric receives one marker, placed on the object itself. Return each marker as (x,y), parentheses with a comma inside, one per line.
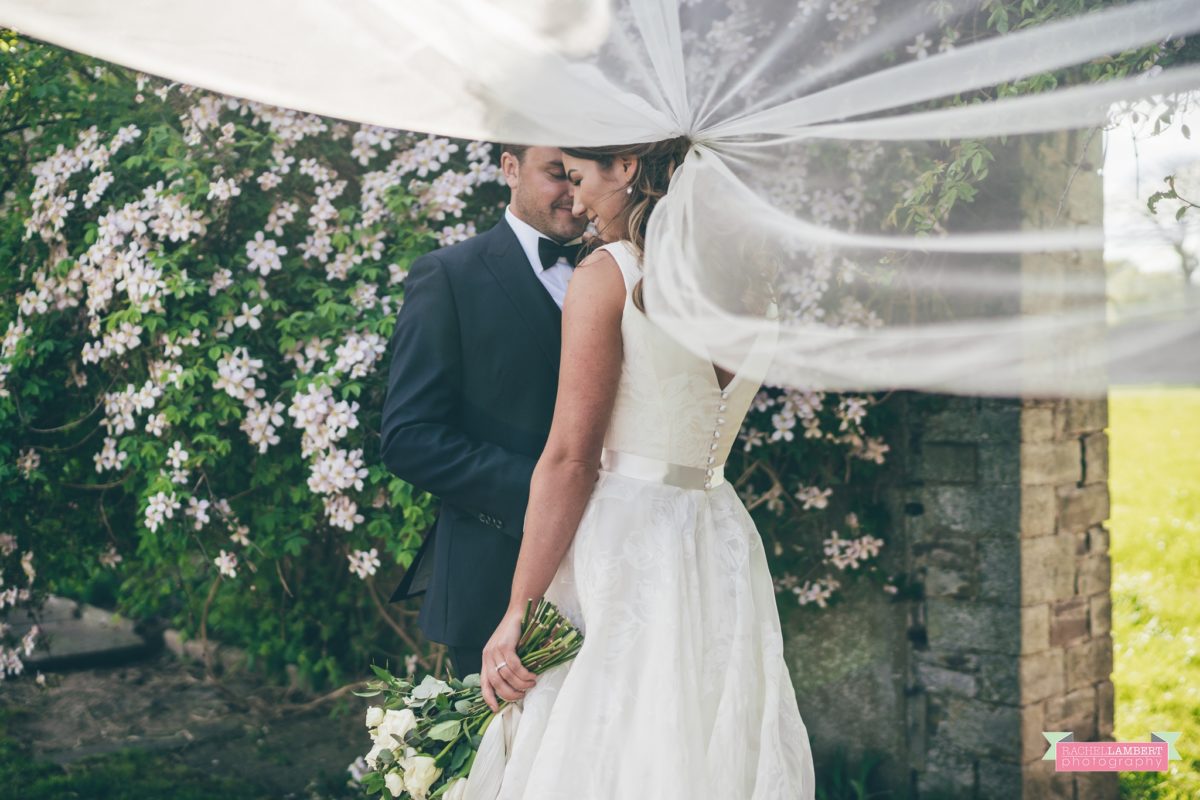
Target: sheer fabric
(806,119)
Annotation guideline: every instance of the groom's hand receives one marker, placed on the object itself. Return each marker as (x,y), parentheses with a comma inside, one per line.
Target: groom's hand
(502,675)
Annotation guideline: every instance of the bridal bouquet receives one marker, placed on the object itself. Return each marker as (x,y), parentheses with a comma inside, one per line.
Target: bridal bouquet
(426,734)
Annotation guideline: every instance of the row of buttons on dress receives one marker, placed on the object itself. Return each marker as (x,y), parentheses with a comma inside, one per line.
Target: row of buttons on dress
(716,437)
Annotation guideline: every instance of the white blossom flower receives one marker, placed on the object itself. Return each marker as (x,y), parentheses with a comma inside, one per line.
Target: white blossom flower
(240,534)
(260,424)
(110,557)
(280,215)
(452,234)
(100,182)
(221,279)
(176,455)
(336,470)
(813,497)
(365,296)
(306,354)
(269,180)
(358,354)
(264,254)
(920,46)
(871,448)
(249,317)
(162,506)
(237,375)
(223,189)
(109,458)
(156,424)
(317,246)
(364,562)
(851,411)
(28,461)
(342,512)
(227,564)
(198,510)
(396,274)
(818,591)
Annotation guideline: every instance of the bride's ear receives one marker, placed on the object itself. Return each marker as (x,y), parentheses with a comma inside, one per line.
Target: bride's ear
(629,165)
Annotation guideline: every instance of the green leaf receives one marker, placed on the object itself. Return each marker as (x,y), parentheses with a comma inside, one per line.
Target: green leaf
(446,731)
(461,754)
(382,673)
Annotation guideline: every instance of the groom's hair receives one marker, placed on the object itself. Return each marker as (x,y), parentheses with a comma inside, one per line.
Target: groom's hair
(517,150)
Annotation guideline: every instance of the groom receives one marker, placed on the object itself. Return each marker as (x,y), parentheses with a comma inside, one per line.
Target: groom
(470,396)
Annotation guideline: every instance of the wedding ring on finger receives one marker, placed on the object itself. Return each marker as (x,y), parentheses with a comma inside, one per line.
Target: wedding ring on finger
(501,666)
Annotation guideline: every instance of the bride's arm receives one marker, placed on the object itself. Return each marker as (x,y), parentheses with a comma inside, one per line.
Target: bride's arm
(567,470)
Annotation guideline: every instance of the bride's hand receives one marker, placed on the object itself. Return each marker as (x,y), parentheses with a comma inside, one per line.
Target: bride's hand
(502,674)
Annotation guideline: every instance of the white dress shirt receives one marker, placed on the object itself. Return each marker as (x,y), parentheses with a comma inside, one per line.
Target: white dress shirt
(554,277)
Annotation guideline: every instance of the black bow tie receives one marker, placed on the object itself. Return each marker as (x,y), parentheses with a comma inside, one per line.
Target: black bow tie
(550,251)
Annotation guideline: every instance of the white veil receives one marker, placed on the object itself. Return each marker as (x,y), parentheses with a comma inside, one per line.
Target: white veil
(810,121)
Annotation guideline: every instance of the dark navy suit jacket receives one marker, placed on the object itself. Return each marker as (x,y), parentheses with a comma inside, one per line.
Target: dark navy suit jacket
(470,397)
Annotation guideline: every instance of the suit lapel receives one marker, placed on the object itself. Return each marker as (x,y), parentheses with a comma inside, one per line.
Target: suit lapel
(507,262)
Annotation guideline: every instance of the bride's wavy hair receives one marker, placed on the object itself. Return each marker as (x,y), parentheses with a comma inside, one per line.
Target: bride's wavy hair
(656,164)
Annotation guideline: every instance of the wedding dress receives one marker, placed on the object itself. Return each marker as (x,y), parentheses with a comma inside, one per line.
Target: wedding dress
(681,689)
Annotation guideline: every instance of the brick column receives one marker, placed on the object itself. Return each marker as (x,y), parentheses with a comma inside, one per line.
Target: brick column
(1066,643)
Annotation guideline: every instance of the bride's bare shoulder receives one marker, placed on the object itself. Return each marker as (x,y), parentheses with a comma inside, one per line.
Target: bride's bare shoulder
(598,257)
(596,281)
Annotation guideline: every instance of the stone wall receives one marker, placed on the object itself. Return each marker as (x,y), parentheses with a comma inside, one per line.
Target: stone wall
(998,510)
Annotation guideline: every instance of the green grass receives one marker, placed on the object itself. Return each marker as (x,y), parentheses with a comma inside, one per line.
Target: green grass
(1154,470)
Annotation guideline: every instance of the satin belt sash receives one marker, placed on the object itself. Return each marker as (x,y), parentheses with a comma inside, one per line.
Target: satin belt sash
(656,471)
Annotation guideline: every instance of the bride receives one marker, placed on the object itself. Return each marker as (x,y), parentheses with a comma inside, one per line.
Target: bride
(681,689)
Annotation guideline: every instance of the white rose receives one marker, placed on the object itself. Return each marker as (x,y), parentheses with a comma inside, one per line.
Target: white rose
(372,757)
(457,790)
(394,783)
(374,716)
(394,724)
(419,774)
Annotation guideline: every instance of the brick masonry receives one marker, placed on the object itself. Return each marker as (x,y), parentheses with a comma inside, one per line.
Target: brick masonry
(1012,634)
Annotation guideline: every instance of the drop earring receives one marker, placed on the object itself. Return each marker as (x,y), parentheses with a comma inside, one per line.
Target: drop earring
(628,190)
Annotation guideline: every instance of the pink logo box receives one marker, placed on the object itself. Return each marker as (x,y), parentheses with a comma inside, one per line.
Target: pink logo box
(1069,755)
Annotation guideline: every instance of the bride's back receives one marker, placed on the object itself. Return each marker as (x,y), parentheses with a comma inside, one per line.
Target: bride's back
(670,405)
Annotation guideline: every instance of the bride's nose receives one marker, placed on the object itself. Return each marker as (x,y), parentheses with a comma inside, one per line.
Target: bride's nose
(577,207)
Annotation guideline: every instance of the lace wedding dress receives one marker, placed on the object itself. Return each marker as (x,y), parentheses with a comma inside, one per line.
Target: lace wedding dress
(681,689)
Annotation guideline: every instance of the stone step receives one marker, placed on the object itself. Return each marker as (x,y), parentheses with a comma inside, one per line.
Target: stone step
(76,635)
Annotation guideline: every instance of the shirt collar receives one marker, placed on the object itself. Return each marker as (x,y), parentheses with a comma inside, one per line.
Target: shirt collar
(528,236)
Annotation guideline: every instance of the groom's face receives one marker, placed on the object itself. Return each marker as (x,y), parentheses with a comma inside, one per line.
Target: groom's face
(541,193)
